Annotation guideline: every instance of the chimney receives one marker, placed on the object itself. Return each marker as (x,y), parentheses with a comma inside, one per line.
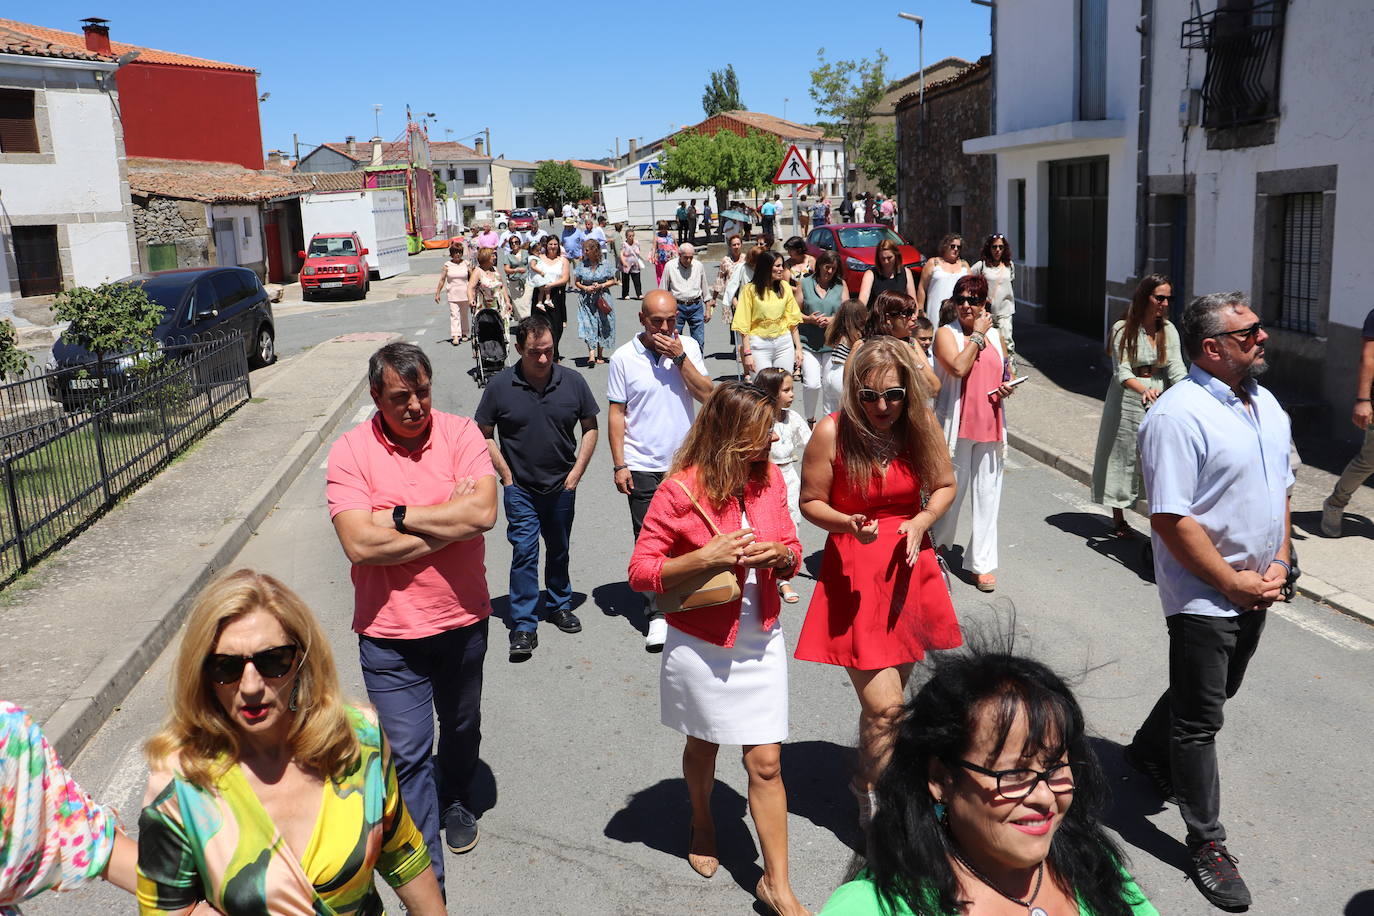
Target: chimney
(274,157)
(634,149)
(376,151)
(97,32)
(477,145)
(351,145)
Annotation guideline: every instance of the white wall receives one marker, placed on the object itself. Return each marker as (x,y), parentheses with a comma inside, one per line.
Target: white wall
(249,249)
(1036,61)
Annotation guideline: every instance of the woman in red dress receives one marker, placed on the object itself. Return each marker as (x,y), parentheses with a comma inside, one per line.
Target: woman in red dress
(881,601)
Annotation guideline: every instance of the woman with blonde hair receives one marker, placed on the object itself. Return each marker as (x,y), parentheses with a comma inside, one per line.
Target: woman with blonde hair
(876,476)
(259,753)
(723,679)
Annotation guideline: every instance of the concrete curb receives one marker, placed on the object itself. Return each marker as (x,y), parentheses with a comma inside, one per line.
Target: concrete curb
(77,719)
(1309,586)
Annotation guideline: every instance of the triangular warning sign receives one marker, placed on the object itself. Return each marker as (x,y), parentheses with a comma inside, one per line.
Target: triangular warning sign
(794,169)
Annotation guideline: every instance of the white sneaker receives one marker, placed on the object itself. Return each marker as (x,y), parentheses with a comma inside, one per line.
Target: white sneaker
(658,633)
(1331,519)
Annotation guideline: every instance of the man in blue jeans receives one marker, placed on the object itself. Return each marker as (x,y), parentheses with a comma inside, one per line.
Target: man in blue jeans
(685,278)
(536,406)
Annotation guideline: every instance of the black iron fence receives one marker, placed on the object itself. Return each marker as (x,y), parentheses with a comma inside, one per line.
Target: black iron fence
(74,440)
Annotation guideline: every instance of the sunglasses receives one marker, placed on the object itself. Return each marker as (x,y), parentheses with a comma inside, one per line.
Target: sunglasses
(891,395)
(1161,298)
(900,313)
(968,300)
(1244,335)
(269,663)
(955,247)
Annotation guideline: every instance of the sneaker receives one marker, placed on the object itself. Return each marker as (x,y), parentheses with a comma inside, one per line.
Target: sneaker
(460,829)
(658,633)
(1331,519)
(566,621)
(1214,871)
(1161,780)
(522,645)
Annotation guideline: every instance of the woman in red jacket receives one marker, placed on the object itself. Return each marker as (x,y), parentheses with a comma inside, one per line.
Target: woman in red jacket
(724,672)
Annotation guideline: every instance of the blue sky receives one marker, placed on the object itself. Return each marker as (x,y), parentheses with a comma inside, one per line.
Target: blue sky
(549,79)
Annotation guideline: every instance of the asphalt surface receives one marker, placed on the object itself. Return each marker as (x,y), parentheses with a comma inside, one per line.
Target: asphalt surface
(583,807)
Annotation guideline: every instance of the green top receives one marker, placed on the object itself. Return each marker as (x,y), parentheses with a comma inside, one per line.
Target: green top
(813,303)
(860,898)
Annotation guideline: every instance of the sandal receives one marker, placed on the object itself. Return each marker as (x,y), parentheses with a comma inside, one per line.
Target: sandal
(985,582)
(787,593)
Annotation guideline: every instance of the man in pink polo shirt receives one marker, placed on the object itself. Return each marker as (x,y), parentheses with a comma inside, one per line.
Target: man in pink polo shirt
(411,492)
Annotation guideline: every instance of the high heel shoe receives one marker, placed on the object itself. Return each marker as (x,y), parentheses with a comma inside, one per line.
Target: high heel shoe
(765,896)
(703,865)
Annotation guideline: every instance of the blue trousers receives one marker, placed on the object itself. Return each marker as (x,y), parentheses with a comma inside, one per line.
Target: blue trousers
(410,681)
(693,314)
(530,516)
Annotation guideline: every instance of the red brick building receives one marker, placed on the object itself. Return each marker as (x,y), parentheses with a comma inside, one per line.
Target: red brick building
(173,106)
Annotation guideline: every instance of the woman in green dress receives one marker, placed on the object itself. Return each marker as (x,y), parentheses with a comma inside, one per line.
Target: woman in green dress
(1147,358)
(992,795)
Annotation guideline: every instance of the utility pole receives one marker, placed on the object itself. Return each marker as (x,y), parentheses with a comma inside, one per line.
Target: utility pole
(296,145)
(487,130)
(376,120)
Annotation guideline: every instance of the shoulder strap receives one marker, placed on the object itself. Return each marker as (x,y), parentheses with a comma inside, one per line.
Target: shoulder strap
(709,523)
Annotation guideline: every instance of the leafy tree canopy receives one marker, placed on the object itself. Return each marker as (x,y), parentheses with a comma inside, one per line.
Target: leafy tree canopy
(555,183)
(13,361)
(722,93)
(109,318)
(724,161)
(846,92)
(878,159)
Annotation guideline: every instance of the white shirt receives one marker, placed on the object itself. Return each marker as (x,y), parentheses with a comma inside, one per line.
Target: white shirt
(687,286)
(1205,455)
(658,405)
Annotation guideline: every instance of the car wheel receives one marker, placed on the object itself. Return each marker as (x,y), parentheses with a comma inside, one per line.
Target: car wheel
(264,348)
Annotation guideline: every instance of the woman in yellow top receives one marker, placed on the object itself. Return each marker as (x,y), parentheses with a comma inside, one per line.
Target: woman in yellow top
(766,319)
(267,794)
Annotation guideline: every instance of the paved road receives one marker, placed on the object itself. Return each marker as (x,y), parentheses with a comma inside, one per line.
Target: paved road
(586,812)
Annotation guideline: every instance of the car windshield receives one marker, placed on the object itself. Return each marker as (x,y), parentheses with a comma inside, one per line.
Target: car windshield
(167,291)
(334,247)
(867,236)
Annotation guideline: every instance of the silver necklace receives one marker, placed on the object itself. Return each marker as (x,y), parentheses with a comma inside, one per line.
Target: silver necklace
(1031,910)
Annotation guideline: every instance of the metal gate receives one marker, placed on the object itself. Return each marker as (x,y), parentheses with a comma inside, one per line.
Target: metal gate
(1078,244)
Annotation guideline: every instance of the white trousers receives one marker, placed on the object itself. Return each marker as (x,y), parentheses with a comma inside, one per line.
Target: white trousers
(773,351)
(832,386)
(813,374)
(977,470)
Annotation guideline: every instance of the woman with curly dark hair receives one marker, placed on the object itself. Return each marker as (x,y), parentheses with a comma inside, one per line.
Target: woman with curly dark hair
(992,795)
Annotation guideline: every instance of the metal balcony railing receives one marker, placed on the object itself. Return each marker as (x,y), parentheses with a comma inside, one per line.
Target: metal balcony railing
(1244,45)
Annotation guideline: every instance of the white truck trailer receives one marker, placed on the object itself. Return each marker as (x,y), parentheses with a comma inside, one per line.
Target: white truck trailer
(378,215)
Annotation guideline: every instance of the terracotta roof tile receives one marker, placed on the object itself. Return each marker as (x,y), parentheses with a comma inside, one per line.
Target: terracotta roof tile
(209,182)
(788,130)
(71,41)
(449,150)
(17,42)
(332,181)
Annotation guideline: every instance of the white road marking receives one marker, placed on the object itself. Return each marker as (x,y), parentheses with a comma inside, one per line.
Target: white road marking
(1312,625)
(422,332)
(324,465)
(130,774)
(363,413)
(1082,504)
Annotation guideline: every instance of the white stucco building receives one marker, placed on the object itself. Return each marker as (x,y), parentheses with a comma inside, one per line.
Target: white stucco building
(1224,150)
(64,201)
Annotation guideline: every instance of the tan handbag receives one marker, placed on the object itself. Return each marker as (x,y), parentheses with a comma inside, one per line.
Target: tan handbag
(708,588)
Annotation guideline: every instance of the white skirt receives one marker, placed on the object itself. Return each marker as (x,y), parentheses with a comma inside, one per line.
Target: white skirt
(735,695)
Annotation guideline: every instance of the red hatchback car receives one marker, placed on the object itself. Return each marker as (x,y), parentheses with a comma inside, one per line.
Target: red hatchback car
(856,245)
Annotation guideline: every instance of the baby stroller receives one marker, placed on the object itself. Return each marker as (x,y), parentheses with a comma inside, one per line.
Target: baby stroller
(488,344)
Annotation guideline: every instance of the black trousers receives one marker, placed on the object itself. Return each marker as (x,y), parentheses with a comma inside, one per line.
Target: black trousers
(1207,661)
(681,231)
(645,486)
(625,279)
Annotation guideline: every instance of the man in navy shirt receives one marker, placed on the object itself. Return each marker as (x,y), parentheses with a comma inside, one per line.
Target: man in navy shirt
(536,406)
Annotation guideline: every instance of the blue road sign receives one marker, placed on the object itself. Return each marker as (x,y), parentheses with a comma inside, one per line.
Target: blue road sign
(649,173)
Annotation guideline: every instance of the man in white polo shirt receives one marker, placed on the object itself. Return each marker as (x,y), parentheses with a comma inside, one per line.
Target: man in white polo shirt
(653,382)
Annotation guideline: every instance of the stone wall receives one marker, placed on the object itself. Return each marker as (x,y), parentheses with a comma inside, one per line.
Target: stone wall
(938,183)
(164,221)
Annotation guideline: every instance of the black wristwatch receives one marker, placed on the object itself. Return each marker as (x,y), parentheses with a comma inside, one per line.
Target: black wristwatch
(679,360)
(398,518)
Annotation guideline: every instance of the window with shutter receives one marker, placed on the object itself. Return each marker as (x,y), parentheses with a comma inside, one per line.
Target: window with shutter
(36,256)
(1299,268)
(18,127)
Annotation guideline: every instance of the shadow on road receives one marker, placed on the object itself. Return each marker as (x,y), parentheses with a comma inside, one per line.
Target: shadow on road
(484,794)
(1362,904)
(617,599)
(1132,800)
(1132,553)
(817,774)
(1351,525)
(500,606)
(658,817)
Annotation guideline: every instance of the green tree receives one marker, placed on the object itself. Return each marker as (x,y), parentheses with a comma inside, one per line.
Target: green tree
(846,93)
(722,93)
(111,318)
(558,182)
(723,161)
(878,159)
(13,361)
(440,187)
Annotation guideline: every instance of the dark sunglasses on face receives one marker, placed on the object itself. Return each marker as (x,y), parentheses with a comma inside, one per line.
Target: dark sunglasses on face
(968,300)
(1244,335)
(1161,298)
(900,313)
(891,395)
(269,663)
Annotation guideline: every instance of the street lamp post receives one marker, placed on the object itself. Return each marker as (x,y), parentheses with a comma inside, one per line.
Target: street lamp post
(920,55)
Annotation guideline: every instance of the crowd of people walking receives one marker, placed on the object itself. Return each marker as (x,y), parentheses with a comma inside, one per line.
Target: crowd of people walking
(975,789)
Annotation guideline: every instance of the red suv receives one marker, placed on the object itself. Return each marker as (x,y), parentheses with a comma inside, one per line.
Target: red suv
(856,245)
(334,262)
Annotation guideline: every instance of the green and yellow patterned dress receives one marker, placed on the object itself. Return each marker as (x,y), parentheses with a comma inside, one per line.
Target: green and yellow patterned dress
(220,845)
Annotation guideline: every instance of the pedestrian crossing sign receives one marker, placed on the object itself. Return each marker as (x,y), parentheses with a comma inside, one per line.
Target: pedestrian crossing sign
(794,169)
(649,173)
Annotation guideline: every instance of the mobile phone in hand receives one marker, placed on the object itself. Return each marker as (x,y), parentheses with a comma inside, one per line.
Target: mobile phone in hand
(1011,384)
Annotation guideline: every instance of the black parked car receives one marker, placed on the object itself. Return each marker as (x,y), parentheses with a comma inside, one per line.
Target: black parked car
(197,304)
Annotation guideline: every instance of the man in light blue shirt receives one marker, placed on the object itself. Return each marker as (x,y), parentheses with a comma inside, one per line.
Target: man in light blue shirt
(1214,454)
(588,230)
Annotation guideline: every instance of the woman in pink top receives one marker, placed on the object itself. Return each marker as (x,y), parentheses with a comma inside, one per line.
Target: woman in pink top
(454,278)
(975,377)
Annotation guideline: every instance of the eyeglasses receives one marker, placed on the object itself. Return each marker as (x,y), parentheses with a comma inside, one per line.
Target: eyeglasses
(955,247)
(891,395)
(1161,298)
(900,313)
(1244,335)
(968,300)
(269,663)
(1017,784)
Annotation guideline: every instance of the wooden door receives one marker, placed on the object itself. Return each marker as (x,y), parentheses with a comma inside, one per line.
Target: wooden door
(1078,244)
